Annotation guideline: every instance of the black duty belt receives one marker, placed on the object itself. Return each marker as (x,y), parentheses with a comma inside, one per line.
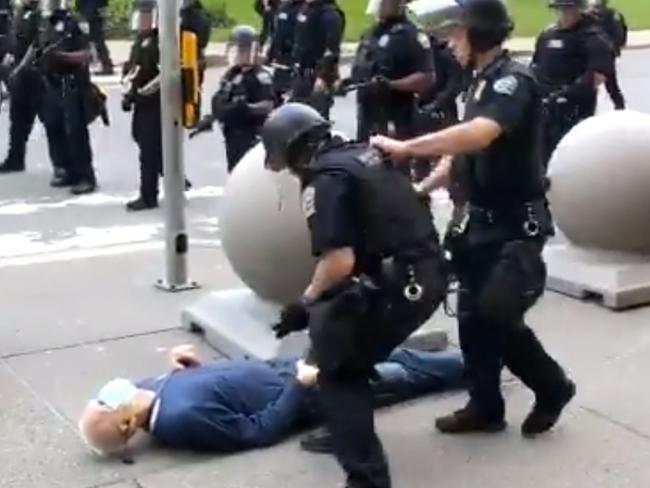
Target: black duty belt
(527,216)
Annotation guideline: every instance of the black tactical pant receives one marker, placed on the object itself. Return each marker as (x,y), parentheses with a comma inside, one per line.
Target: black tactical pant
(349,336)
(614,89)
(147,133)
(374,117)
(499,281)
(558,120)
(66,123)
(95,21)
(238,142)
(303,92)
(26,105)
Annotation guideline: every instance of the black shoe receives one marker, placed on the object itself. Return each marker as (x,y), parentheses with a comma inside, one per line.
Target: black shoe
(60,181)
(10,166)
(545,415)
(140,204)
(83,187)
(466,420)
(319,442)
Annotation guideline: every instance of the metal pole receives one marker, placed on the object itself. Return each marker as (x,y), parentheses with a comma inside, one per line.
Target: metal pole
(176,240)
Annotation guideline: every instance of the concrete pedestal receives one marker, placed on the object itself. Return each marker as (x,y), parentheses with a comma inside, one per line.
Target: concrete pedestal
(238,324)
(620,280)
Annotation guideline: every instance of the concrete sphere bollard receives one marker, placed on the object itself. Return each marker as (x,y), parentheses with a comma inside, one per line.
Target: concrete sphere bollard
(600,183)
(263,229)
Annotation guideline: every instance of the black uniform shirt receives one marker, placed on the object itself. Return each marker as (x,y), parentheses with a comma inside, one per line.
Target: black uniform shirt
(319,32)
(509,170)
(194,18)
(565,57)
(284,32)
(449,77)
(249,84)
(27,26)
(64,30)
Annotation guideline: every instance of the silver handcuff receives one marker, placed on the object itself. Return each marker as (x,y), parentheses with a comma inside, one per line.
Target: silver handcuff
(413,291)
(531,225)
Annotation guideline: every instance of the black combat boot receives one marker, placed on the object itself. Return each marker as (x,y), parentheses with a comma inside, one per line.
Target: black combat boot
(545,414)
(141,204)
(467,420)
(319,442)
(60,179)
(12,165)
(83,188)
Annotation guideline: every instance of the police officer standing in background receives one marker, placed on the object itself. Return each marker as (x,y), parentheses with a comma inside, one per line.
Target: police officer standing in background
(378,276)
(25,84)
(572,58)
(317,49)
(5,27)
(394,60)
(244,99)
(67,81)
(141,78)
(614,25)
(92,12)
(280,52)
(497,257)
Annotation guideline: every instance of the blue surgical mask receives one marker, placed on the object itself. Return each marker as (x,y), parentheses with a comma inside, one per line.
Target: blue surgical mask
(116,393)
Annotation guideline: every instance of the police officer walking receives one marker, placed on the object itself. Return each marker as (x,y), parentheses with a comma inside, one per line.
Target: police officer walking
(244,99)
(613,23)
(316,53)
(497,257)
(92,12)
(378,276)
(141,78)
(394,62)
(280,52)
(67,81)
(25,85)
(572,58)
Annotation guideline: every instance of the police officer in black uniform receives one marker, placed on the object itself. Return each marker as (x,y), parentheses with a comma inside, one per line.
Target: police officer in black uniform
(141,79)
(613,23)
(92,12)
(266,9)
(316,52)
(25,84)
(378,276)
(6,14)
(195,18)
(67,83)
(280,52)
(572,57)
(394,61)
(244,99)
(498,256)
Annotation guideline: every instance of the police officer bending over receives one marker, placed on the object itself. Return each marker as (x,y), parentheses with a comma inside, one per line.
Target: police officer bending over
(25,85)
(141,78)
(67,80)
(317,48)
(244,98)
(572,58)
(378,277)
(280,52)
(497,257)
(394,59)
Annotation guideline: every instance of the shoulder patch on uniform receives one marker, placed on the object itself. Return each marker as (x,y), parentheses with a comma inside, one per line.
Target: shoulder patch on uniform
(506,85)
(264,77)
(384,40)
(424,41)
(309,201)
(370,157)
(84,27)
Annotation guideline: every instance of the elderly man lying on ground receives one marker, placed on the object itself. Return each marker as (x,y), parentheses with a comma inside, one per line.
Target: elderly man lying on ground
(229,405)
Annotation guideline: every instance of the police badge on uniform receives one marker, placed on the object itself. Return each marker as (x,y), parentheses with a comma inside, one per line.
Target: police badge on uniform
(506,85)
(309,201)
(301,18)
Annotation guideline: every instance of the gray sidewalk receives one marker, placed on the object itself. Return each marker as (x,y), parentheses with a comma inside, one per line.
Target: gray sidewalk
(216,50)
(70,323)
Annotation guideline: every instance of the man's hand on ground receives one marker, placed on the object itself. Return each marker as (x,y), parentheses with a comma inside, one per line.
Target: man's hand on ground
(184,356)
(306,374)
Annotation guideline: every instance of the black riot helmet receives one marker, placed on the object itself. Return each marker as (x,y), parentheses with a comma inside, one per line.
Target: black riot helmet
(291,134)
(568,3)
(487,22)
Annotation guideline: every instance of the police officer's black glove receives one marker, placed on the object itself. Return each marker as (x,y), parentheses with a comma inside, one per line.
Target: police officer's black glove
(380,85)
(293,318)
(127,103)
(204,125)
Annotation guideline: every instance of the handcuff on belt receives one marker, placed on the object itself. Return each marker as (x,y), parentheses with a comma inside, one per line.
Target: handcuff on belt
(413,291)
(530,226)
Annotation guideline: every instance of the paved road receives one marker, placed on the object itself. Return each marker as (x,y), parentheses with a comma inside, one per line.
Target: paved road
(36,219)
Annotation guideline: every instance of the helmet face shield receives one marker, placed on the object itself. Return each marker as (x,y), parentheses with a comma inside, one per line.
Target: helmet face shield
(242,46)
(437,15)
(144,20)
(48,7)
